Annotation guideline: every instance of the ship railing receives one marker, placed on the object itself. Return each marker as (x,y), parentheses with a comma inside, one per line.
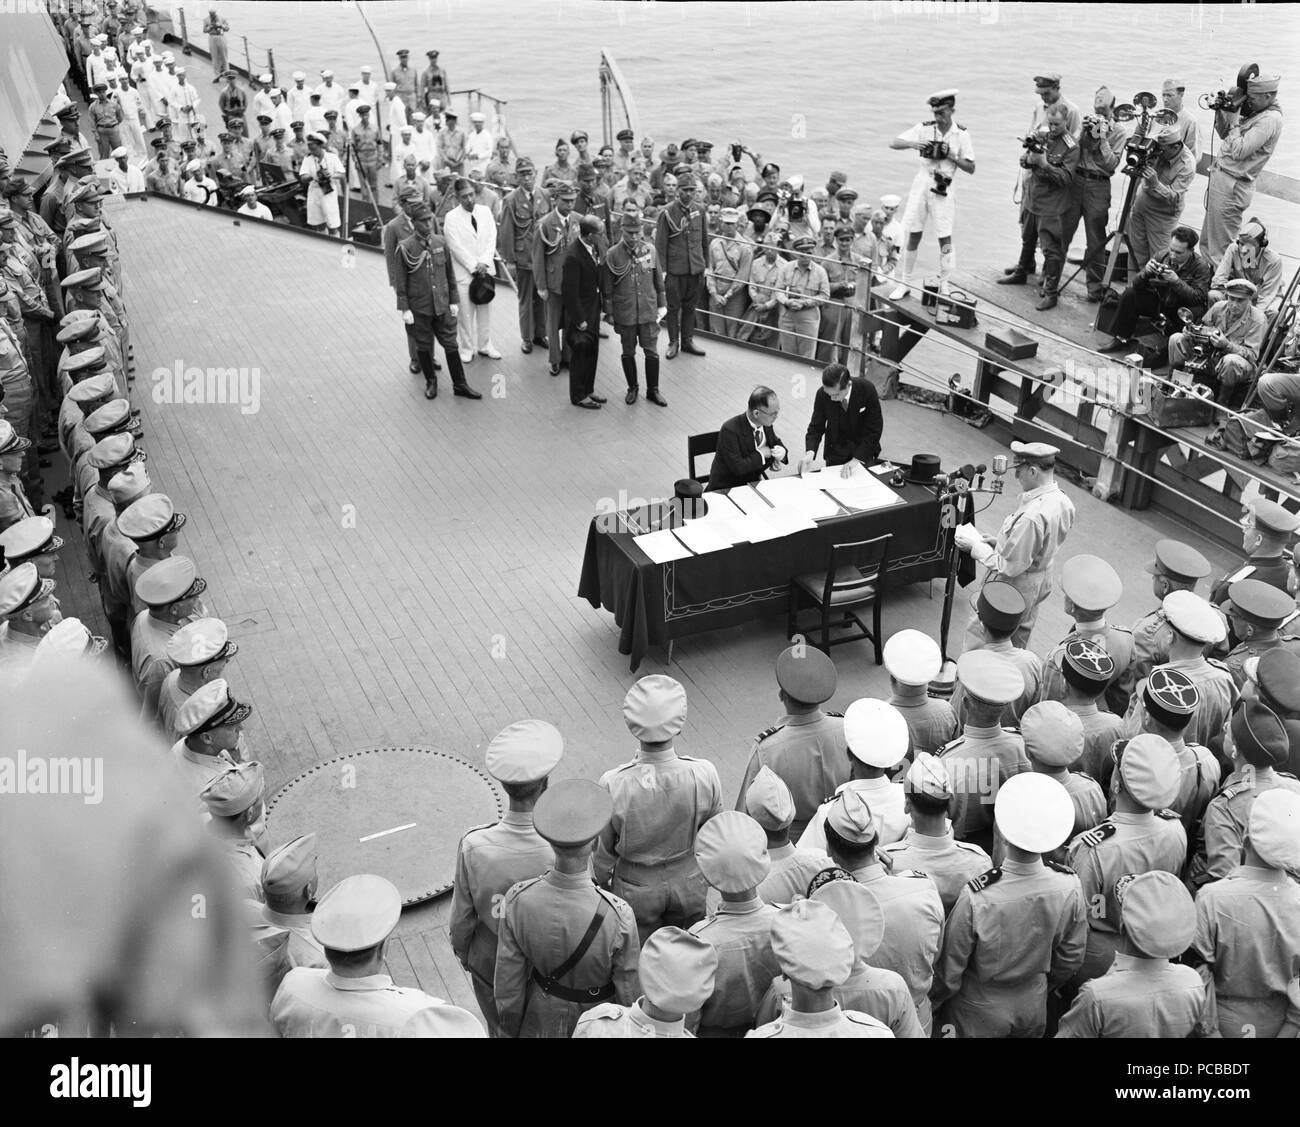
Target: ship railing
(164,27)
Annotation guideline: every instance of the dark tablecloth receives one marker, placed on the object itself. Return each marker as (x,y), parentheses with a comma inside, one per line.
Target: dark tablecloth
(653,603)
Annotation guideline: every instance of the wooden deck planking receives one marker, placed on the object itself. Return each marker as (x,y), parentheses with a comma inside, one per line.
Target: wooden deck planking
(471,517)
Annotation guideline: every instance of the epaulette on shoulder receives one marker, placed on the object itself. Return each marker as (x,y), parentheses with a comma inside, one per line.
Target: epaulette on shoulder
(1167,814)
(968,845)
(1240,573)
(1070,142)
(1219,665)
(515,889)
(606,1011)
(1120,629)
(959,125)
(859,1018)
(930,122)
(1014,729)
(1095,836)
(1084,775)
(624,766)
(911,873)
(758,739)
(621,906)
(475,829)
(981,882)
(949,745)
(1231,790)
(839,715)
(1056,866)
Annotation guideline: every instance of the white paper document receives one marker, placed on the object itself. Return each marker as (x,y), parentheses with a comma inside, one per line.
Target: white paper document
(701,537)
(788,520)
(748,501)
(661,546)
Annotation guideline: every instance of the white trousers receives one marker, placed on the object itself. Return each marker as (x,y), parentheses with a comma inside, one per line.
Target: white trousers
(474,324)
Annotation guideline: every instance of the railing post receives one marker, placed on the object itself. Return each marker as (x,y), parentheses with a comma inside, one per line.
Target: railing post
(185,34)
(248,62)
(270,65)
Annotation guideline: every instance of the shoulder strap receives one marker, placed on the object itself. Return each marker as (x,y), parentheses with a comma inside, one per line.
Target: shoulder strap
(584,944)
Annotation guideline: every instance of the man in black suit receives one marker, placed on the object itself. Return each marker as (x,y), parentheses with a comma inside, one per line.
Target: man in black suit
(581,294)
(847,413)
(747,444)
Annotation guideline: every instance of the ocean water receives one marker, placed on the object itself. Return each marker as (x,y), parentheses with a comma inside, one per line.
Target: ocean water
(814,86)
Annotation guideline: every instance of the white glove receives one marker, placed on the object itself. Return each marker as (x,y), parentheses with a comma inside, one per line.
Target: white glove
(408,317)
(964,535)
(455,310)
(980,551)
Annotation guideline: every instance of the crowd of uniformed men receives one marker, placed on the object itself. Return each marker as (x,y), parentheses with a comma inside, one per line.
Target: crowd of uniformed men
(1101,842)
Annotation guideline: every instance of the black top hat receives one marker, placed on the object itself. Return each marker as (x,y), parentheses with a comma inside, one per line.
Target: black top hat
(924,467)
(688,497)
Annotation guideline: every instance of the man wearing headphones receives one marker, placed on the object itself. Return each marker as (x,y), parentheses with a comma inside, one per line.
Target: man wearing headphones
(1249,257)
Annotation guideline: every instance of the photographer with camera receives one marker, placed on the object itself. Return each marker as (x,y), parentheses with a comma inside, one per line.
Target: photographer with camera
(1049,194)
(1250,124)
(1161,193)
(1180,277)
(1048,88)
(1249,257)
(945,147)
(1235,333)
(1101,145)
(322,172)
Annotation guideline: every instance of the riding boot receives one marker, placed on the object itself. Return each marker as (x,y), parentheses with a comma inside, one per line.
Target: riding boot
(425,360)
(458,381)
(629,371)
(652,373)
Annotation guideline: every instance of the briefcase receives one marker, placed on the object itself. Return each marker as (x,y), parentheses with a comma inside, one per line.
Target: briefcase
(1010,343)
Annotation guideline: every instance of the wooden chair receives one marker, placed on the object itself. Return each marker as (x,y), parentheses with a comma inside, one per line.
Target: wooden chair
(853,579)
(697,445)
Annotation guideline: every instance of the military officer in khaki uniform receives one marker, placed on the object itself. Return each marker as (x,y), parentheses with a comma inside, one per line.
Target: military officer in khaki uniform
(564,945)
(115,553)
(367,146)
(153,525)
(233,801)
(731,850)
(634,303)
(986,754)
(910,899)
(1053,738)
(929,845)
(1049,195)
(1175,567)
(557,230)
(200,651)
(209,736)
(32,540)
(172,591)
(1193,624)
(815,953)
(646,852)
(492,859)
(1144,994)
(1091,588)
(353,998)
(1266,528)
(1018,932)
(1142,835)
(1000,609)
(769,802)
(283,921)
(913,660)
(1028,540)
(681,243)
(1255,613)
(1086,670)
(806,747)
(1248,924)
(14,505)
(521,211)
(1257,744)
(878,993)
(1170,699)
(878,739)
(677,972)
(28,609)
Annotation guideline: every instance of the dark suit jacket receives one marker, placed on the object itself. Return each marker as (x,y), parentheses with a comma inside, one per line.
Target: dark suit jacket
(854,433)
(581,289)
(738,461)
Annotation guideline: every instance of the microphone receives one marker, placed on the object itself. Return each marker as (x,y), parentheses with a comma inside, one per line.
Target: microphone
(971,472)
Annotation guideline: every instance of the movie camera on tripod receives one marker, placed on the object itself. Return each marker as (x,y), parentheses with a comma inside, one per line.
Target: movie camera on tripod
(1140,149)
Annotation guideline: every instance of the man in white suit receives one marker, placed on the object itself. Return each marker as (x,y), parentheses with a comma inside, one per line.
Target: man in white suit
(471,235)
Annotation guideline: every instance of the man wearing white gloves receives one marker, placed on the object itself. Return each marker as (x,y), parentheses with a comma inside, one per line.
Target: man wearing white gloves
(1028,541)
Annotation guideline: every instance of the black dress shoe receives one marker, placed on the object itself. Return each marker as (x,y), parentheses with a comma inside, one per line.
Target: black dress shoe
(654,397)
(564,364)
(467,392)
(692,348)
(1017,269)
(1015,278)
(413,367)
(589,404)
(1094,297)
(541,342)
(526,347)
(672,350)
(1115,344)
(431,389)
(598,398)
(436,366)
(630,397)
(555,369)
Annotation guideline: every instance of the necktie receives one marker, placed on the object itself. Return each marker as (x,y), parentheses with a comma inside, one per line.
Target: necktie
(473,223)
(758,437)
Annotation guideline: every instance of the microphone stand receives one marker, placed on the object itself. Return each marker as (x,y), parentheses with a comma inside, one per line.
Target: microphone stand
(951,495)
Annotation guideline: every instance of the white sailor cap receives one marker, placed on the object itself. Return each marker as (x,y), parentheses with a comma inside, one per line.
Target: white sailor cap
(876,733)
(1193,616)
(299,76)
(891,200)
(389,87)
(1034,812)
(476,116)
(912,658)
(524,752)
